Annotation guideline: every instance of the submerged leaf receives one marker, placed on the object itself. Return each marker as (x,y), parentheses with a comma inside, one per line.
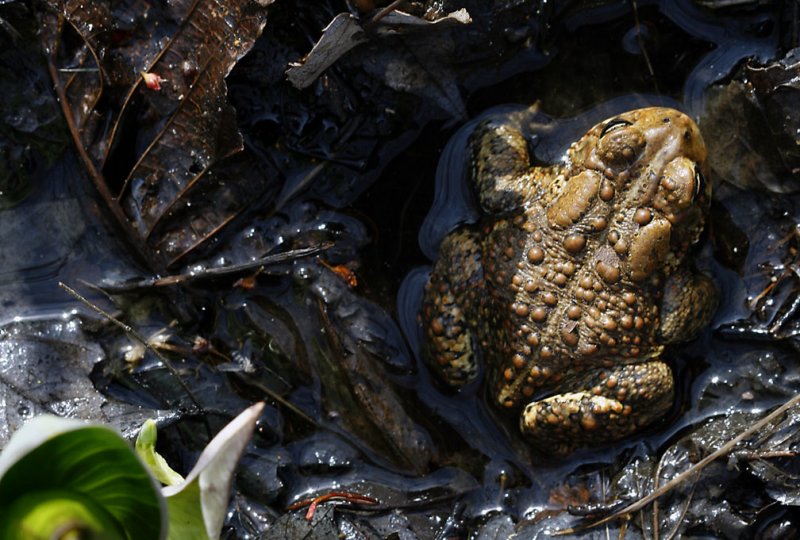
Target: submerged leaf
(46,366)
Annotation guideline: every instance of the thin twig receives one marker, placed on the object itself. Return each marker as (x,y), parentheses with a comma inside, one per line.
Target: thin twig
(347,496)
(287,404)
(642,48)
(136,336)
(384,12)
(771,454)
(78,70)
(218,272)
(656,477)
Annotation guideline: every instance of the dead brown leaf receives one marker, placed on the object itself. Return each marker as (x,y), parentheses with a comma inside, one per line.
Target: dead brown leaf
(152,152)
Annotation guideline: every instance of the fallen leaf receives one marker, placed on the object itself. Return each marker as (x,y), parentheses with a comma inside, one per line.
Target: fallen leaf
(342,34)
(152,154)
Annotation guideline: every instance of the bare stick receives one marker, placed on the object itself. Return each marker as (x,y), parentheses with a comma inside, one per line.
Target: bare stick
(216,272)
(691,471)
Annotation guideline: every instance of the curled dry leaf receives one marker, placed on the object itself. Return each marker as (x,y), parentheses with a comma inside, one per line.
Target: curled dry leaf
(342,34)
(346,32)
(152,152)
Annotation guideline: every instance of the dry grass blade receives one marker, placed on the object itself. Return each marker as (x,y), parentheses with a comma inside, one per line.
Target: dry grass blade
(691,472)
(385,11)
(211,273)
(137,337)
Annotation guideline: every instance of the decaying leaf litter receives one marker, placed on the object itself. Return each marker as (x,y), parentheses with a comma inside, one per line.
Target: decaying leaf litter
(187,200)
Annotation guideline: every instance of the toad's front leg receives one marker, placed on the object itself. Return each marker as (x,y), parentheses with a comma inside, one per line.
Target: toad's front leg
(501,167)
(607,405)
(688,305)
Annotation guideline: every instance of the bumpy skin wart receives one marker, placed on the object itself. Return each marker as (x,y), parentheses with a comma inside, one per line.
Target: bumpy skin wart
(576,277)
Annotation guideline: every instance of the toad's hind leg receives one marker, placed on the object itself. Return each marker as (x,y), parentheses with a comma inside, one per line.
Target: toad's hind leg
(451,297)
(610,403)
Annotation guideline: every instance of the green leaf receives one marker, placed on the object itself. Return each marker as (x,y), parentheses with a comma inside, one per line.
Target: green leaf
(146,450)
(197,506)
(186,515)
(57,514)
(71,467)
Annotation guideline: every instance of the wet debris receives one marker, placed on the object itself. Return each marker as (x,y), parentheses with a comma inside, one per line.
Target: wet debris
(49,367)
(777,87)
(740,141)
(752,126)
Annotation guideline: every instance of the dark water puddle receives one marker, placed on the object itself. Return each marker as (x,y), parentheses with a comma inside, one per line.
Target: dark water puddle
(55,234)
(51,226)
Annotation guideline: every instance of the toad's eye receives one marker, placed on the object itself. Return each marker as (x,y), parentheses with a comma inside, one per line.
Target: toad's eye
(616,123)
(699,182)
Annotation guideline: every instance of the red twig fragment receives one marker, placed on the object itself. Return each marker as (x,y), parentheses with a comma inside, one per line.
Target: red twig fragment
(346,496)
(152,80)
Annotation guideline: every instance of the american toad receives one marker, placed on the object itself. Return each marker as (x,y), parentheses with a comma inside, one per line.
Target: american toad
(576,277)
